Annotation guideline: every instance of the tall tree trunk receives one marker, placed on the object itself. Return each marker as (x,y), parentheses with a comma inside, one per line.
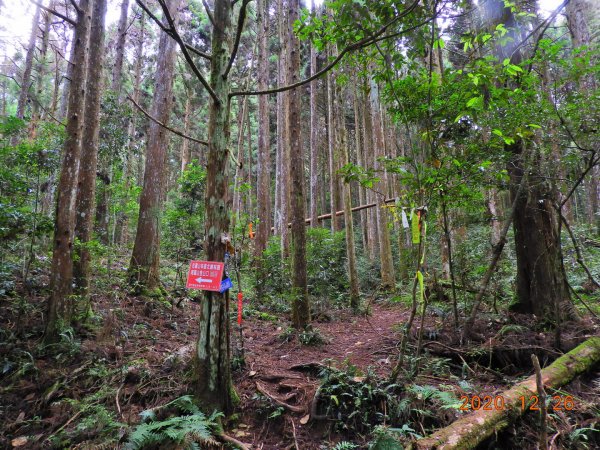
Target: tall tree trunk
(41,74)
(212,376)
(541,283)
(117,70)
(264,151)
(283,143)
(64,100)
(122,225)
(580,14)
(362,198)
(347,202)
(60,302)
(300,303)
(388,280)
(332,138)
(185,143)
(89,152)
(314,135)
(145,260)
(26,78)
(369,161)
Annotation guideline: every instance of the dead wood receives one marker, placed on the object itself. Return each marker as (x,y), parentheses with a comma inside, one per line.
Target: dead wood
(473,429)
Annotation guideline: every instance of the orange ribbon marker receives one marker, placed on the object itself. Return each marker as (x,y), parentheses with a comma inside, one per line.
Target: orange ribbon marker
(240,300)
(250,232)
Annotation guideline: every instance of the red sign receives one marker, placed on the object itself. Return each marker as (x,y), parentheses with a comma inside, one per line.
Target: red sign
(205,275)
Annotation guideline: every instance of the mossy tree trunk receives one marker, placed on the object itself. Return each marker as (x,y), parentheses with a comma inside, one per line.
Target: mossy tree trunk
(212,376)
(300,303)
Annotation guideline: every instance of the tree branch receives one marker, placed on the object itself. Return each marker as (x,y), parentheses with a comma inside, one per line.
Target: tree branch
(208,13)
(56,13)
(169,31)
(238,35)
(361,43)
(175,35)
(76,6)
(166,127)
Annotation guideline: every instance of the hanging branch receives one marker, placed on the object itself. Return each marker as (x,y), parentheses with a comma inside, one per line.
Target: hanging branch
(56,13)
(238,35)
(166,127)
(361,43)
(171,32)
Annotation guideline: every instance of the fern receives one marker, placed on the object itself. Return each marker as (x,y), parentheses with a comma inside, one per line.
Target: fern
(187,430)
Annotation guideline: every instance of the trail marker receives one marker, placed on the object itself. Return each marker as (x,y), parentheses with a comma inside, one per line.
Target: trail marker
(205,275)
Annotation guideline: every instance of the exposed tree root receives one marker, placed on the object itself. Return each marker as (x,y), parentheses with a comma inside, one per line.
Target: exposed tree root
(292,408)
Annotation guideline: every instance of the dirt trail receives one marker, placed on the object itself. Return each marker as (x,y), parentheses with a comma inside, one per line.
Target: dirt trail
(287,371)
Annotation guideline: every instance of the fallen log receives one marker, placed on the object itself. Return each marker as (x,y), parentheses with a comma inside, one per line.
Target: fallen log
(474,428)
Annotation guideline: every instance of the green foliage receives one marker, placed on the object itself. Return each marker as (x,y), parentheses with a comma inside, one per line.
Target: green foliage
(184,216)
(311,336)
(358,402)
(327,277)
(186,430)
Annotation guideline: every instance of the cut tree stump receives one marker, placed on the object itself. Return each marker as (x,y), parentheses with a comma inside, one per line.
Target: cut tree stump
(471,430)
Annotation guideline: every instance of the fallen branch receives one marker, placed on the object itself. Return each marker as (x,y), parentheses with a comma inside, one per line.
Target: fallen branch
(233,441)
(471,430)
(292,408)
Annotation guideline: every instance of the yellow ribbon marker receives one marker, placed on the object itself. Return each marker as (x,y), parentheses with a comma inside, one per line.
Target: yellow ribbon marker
(415,228)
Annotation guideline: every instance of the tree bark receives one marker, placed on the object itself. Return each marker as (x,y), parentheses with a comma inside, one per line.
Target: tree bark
(314,135)
(300,303)
(26,78)
(334,192)
(89,151)
(60,302)
(471,430)
(185,144)
(117,70)
(388,280)
(349,223)
(264,151)
(41,74)
(145,260)
(212,376)
(369,161)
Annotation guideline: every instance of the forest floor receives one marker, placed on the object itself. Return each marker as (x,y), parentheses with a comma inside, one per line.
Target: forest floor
(135,354)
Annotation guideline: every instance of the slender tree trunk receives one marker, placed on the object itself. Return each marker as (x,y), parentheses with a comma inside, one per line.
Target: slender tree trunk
(300,303)
(64,100)
(212,377)
(264,151)
(41,74)
(362,197)
(580,14)
(334,199)
(122,225)
(388,280)
(369,161)
(26,78)
(314,135)
(117,70)
(60,302)
(145,260)
(347,202)
(185,144)
(89,152)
